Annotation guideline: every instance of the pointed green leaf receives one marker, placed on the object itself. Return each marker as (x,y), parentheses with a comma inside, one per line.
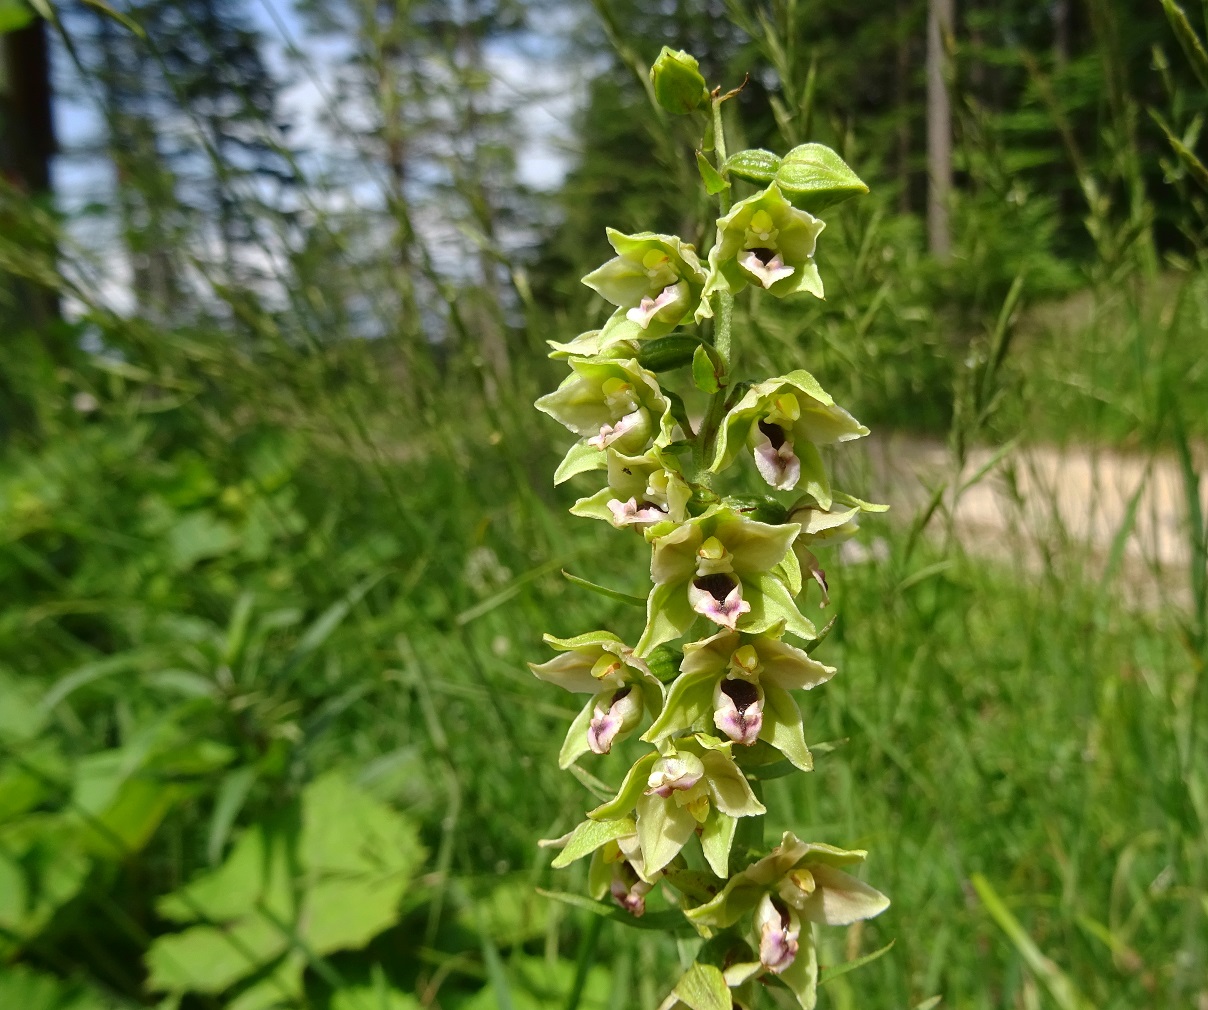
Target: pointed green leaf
(612,594)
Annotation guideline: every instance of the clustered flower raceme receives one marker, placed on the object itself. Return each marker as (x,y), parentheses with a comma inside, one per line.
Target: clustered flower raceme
(727,572)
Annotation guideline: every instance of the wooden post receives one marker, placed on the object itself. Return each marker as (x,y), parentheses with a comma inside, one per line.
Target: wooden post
(939,128)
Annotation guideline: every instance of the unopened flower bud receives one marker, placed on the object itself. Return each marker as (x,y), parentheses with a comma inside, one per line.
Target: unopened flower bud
(678,84)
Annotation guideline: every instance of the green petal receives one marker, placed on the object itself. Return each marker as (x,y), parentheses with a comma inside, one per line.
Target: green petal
(777,605)
(840,899)
(689,701)
(757,547)
(589,836)
(728,787)
(716,839)
(595,507)
(580,458)
(664,828)
(627,796)
(782,726)
(789,667)
(814,480)
(575,745)
(668,615)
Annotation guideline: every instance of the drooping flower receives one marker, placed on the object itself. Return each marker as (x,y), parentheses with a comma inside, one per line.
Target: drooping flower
(693,786)
(824,528)
(730,569)
(783,421)
(796,884)
(654,280)
(609,403)
(641,490)
(621,685)
(740,684)
(764,240)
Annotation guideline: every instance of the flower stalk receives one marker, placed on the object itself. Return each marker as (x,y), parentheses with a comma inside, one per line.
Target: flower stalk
(710,694)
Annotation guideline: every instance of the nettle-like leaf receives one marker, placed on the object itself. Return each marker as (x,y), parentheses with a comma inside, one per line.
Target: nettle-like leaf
(326,873)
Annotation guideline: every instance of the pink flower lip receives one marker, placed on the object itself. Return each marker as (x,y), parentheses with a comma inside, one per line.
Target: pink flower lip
(629,512)
(775,459)
(739,712)
(765,265)
(719,598)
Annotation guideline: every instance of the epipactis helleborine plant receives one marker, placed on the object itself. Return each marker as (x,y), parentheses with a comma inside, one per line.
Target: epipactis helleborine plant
(719,713)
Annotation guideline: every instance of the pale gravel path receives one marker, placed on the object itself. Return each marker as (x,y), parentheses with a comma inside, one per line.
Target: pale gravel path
(1044,505)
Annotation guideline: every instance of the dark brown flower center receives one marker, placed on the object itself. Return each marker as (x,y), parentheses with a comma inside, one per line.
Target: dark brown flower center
(765,256)
(718,585)
(774,432)
(743,693)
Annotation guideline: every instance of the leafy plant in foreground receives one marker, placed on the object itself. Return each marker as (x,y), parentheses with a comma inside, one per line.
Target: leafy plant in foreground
(727,570)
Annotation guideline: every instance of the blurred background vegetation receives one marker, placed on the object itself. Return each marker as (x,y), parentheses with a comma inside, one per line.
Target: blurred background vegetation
(277,534)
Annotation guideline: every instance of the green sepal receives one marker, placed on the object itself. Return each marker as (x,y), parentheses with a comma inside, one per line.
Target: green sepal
(754,165)
(575,745)
(668,615)
(579,641)
(580,458)
(801,976)
(772,603)
(695,885)
(761,508)
(814,177)
(689,701)
(589,836)
(782,726)
(814,480)
(664,828)
(665,353)
(714,181)
(729,789)
(632,787)
(716,839)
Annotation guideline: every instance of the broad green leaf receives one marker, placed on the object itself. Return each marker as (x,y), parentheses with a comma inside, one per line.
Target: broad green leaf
(209,959)
(24,989)
(510,913)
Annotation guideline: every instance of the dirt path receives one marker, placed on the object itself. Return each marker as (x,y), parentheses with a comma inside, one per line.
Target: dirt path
(1043,505)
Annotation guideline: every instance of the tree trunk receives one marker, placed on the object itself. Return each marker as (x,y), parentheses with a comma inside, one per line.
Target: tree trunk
(939,128)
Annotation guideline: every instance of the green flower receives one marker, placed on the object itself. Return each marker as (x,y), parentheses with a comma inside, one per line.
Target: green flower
(608,403)
(783,421)
(621,685)
(740,684)
(764,239)
(693,787)
(797,883)
(654,280)
(616,861)
(641,490)
(738,573)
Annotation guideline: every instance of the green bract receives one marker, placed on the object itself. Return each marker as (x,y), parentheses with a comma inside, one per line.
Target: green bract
(740,684)
(783,421)
(764,240)
(621,685)
(654,280)
(726,568)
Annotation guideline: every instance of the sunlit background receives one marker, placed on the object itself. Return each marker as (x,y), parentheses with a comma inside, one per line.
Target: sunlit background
(278,533)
